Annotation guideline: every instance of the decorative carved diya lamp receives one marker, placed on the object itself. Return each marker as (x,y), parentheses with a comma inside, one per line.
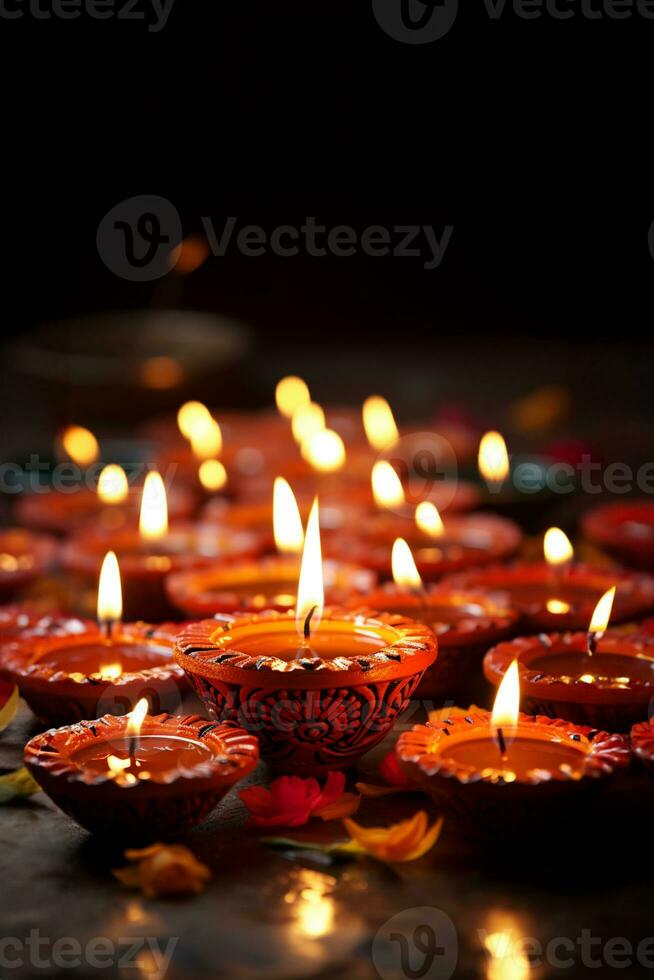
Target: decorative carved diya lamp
(148,554)
(505,775)
(140,778)
(74,669)
(270,583)
(588,678)
(319,686)
(557,594)
(439,546)
(466,623)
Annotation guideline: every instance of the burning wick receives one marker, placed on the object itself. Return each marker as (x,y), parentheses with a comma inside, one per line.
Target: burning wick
(502,743)
(600,620)
(307,624)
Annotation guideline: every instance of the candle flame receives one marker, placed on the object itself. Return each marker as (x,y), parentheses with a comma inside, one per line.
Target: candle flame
(212,475)
(387,487)
(507,701)
(206,439)
(324,451)
(310,592)
(291,392)
(405,572)
(602,614)
(136,718)
(190,416)
(153,520)
(112,485)
(80,444)
(287,523)
(557,607)
(493,458)
(557,547)
(110,595)
(307,419)
(378,421)
(429,520)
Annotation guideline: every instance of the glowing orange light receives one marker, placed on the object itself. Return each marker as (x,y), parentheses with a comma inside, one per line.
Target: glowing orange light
(190,416)
(429,520)
(153,519)
(206,439)
(161,373)
(310,591)
(80,444)
(324,451)
(602,614)
(386,486)
(379,424)
(557,547)
(405,572)
(557,607)
(507,701)
(110,596)
(290,393)
(112,485)
(212,475)
(307,419)
(136,718)
(493,458)
(287,523)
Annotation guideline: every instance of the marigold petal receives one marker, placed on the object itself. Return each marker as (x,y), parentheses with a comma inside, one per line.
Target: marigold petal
(373,791)
(344,806)
(427,841)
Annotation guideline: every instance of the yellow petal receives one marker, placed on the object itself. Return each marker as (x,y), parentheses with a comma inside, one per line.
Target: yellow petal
(427,842)
(344,806)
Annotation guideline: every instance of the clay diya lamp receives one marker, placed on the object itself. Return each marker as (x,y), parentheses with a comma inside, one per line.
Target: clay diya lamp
(24,557)
(136,781)
(148,554)
(440,546)
(466,623)
(642,743)
(606,681)
(317,696)
(521,487)
(558,595)
(625,530)
(505,775)
(69,669)
(112,505)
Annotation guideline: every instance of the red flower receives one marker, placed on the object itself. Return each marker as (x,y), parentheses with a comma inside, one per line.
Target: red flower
(290,801)
(389,768)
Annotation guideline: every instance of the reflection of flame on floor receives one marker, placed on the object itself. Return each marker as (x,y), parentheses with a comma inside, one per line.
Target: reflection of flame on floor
(312,903)
(506,958)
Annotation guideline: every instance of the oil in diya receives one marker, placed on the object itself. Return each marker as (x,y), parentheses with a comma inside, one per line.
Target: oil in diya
(606,681)
(269,583)
(506,775)
(70,669)
(319,686)
(148,554)
(140,778)
(466,622)
(559,594)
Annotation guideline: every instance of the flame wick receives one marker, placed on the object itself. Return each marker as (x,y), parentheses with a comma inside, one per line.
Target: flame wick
(502,743)
(592,643)
(307,624)
(108,628)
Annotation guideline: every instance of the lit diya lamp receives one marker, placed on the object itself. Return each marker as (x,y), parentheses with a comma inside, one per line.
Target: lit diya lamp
(466,622)
(69,669)
(624,529)
(148,553)
(140,778)
(320,686)
(439,545)
(508,775)
(269,583)
(110,505)
(521,487)
(24,557)
(559,594)
(588,678)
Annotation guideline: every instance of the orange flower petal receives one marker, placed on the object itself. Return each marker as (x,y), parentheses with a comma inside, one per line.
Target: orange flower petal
(347,804)
(372,791)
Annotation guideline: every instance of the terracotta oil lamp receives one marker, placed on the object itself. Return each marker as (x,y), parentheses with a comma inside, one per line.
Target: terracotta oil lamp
(642,743)
(624,529)
(319,686)
(506,775)
(111,506)
(440,546)
(149,553)
(466,623)
(140,778)
(558,594)
(269,583)
(606,681)
(70,668)
(24,557)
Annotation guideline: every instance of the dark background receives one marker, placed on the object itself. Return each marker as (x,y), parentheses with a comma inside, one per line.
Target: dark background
(530,137)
